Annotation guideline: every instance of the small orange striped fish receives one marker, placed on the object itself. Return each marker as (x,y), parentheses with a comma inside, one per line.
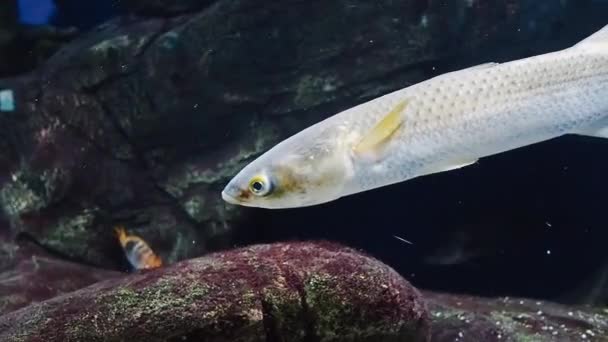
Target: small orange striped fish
(139,254)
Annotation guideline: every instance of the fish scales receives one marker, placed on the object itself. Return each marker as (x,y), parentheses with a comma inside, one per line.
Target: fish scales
(480,112)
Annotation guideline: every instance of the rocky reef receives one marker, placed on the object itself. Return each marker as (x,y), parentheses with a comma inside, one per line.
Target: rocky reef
(307,291)
(142,120)
(29,275)
(279,292)
(467,318)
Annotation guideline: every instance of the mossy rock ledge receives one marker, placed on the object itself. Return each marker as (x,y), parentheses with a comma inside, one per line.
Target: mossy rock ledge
(303,291)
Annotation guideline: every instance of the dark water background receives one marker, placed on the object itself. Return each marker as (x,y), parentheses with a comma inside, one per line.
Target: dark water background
(530,222)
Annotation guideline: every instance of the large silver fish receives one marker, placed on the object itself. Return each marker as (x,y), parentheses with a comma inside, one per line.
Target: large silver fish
(441,124)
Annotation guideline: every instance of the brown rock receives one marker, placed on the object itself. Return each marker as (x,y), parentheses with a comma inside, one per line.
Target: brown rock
(277,292)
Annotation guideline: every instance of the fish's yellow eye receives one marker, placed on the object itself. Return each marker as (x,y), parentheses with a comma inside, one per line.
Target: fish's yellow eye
(260,185)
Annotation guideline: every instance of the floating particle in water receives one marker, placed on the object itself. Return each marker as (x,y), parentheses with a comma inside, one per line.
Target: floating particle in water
(403,240)
(424,21)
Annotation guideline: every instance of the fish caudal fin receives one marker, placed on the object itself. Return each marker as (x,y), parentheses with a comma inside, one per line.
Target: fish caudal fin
(597,40)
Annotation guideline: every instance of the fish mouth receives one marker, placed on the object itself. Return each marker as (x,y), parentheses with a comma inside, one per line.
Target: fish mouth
(230,199)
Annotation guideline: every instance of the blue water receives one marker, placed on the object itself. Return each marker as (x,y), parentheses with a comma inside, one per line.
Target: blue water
(36,12)
(83,14)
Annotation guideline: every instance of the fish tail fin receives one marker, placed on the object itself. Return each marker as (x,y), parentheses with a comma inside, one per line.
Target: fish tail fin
(598,40)
(157,261)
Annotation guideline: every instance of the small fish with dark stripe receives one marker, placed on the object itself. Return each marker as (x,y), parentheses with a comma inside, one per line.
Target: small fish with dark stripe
(138,252)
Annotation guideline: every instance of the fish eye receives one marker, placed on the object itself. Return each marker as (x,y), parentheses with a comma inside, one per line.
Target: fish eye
(260,185)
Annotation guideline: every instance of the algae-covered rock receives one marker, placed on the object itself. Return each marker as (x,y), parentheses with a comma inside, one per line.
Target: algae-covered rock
(471,319)
(29,275)
(277,292)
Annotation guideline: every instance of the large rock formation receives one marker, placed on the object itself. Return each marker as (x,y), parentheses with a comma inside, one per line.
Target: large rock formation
(143,120)
(278,292)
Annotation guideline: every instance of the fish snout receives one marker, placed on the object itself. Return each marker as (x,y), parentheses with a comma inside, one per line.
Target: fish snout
(229,198)
(233,194)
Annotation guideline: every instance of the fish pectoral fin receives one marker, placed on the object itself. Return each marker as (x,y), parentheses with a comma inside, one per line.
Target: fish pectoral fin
(120,232)
(382,132)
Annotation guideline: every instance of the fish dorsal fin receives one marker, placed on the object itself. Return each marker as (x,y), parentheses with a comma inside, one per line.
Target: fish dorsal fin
(120,232)
(598,38)
(379,134)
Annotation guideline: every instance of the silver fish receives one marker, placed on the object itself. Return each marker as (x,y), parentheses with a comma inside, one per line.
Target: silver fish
(441,124)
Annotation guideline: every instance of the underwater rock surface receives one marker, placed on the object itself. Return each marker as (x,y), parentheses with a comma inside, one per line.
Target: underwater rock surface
(471,319)
(277,292)
(143,120)
(164,7)
(28,275)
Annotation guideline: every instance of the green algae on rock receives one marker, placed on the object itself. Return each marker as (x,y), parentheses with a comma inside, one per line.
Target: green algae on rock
(471,319)
(308,291)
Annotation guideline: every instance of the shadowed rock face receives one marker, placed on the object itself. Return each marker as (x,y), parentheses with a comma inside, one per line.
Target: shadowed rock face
(144,119)
(29,275)
(278,292)
(165,7)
